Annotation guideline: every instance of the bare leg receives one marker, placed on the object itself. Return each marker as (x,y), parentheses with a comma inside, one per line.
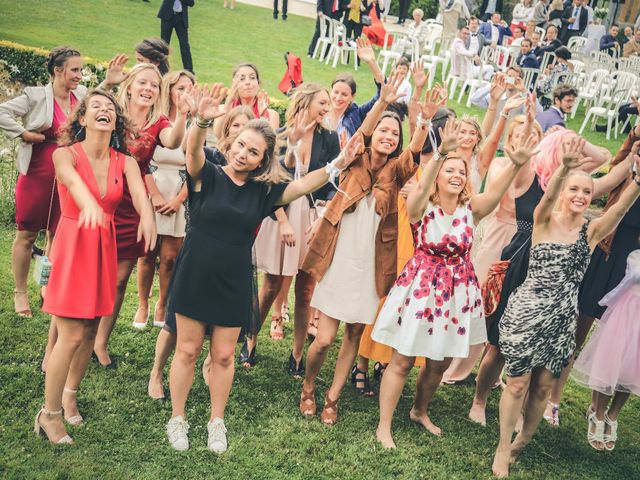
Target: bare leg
(346,357)
(51,341)
(223,345)
(304,287)
(169,249)
(165,345)
(542,381)
(71,333)
(317,351)
(619,399)
(188,347)
(146,271)
(488,374)
(270,287)
(429,378)
(20,262)
(125,267)
(393,382)
(511,403)
(460,368)
(282,299)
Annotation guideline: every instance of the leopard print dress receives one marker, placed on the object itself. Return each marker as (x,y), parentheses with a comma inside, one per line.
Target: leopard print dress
(538,326)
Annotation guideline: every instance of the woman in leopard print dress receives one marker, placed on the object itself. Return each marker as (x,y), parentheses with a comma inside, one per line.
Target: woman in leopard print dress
(537,330)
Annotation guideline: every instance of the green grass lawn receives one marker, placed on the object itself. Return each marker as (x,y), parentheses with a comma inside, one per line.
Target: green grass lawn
(124,433)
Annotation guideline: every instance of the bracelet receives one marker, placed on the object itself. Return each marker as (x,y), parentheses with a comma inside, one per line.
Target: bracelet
(421,122)
(293,146)
(202,123)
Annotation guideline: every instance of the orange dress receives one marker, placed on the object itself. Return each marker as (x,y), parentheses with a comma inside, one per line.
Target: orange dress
(369,348)
(83,276)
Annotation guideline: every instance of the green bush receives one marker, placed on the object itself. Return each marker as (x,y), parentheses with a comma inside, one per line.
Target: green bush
(429,7)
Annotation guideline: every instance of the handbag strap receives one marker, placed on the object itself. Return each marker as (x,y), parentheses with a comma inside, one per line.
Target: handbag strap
(53,191)
(520,248)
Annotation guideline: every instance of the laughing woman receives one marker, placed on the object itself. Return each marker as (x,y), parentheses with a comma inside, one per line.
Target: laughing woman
(82,286)
(213,275)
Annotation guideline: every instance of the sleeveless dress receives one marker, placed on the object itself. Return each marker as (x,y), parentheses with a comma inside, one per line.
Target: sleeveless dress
(435,306)
(518,252)
(127,218)
(34,190)
(539,324)
(84,262)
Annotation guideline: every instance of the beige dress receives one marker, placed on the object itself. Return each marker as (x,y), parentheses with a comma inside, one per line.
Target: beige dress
(168,168)
(347,291)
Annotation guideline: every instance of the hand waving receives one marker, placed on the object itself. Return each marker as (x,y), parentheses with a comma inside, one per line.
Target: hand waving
(389,91)
(211,98)
(571,153)
(419,75)
(449,135)
(365,50)
(524,152)
(263,102)
(351,150)
(115,70)
(185,101)
(433,100)
(498,87)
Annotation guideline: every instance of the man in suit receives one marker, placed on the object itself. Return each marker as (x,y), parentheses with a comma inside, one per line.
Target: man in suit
(173,15)
(574,21)
(608,42)
(495,30)
(476,41)
(527,59)
(551,43)
(564,98)
(489,7)
(330,8)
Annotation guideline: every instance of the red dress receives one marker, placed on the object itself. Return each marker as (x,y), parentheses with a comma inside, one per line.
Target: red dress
(84,263)
(126,217)
(33,190)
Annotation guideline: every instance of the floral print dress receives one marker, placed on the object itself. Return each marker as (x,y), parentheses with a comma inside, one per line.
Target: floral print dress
(435,307)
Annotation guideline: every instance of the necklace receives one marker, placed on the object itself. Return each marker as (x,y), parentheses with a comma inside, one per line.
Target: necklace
(568,228)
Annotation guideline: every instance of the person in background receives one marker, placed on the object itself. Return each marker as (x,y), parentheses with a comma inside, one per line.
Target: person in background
(518,36)
(632,47)
(527,59)
(564,98)
(403,11)
(625,35)
(463,58)
(522,13)
(575,19)
(403,65)
(452,12)
(556,9)
(489,7)
(173,14)
(495,30)
(608,43)
(154,50)
(275,9)
(417,29)
(476,41)
(541,13)
(587,7)
(551,42)
(329,8)
(514,86)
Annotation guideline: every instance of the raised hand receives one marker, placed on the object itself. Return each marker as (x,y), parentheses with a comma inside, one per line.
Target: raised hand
(263,102)
(91,215)
(115,70)
(301,126)
(185,101)
(513,102)
(407,187)
(498,87)
(572,152)
(419,75)
(433,100)
(351,150)
(449,135)
(530,107)
(211,98)
(524,152)
(343,139)
(365,50)
(389,91)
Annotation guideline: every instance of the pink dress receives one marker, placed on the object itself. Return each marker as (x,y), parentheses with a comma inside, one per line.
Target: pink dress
(610,362)
(34,190)
(84,264)
(434,310)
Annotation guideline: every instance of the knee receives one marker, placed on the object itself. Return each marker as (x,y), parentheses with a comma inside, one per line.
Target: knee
(223,358)
(187,352)
(541,392)
(517,388)
(74,339)
(25,239)
(353,332)
(323,342)
(168,260)
(403,366)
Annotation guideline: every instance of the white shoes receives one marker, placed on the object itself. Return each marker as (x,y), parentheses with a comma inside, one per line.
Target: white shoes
(177,430)
(217,441)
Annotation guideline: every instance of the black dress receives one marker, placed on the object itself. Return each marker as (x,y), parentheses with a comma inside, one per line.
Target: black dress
(518,251)
(212,278)
(604,274)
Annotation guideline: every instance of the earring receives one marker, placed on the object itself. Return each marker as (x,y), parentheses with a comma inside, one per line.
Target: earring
(115,141)
(79,133)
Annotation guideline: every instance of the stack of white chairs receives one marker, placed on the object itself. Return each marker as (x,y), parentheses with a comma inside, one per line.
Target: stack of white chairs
(590,90)
(607,110)
(326,37)
(341,48)
(392,49)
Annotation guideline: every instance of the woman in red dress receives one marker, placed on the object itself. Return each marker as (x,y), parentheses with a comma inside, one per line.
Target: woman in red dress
(82,285)
(42,111)
(139,98)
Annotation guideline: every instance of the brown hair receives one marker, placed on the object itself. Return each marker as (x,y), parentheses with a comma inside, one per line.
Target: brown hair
(300,102)
(72,132)
(123,95)
(345,78)
(156,50)
(59,56)
(270,171)
(246,64)
(225,141)
(169,80)
(465,194)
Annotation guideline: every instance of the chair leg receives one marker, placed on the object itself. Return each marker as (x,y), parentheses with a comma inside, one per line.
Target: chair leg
(464,87)
(608,128)
(584,123)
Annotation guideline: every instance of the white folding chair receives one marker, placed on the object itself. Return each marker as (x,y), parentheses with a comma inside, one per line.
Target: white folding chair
(542,32)
(549,58)
(392,53)
(326,37)
(474,81)
(529,76)
(608,111)
(589,91)
(576,44)
(341,47)
(502,56)
(618,80)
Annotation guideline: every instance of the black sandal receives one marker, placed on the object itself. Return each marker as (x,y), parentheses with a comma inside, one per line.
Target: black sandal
(245,358)
(378,370)
(365,388)
(296,369)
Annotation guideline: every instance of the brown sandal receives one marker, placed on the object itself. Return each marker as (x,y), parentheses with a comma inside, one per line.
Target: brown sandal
(312,329)
(308,409)
(277,330)
(327,417)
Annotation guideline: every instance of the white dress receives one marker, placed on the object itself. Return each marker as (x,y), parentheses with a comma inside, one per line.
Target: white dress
(168,168)
(347,291)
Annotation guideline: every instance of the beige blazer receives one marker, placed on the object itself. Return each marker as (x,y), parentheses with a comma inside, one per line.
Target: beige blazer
(35,108)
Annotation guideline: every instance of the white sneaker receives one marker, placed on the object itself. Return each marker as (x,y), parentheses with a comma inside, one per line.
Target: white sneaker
(177,429)
(217,441)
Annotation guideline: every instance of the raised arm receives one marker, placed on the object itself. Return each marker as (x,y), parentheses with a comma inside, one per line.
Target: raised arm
(598,156)
(420,78)
(208,110)
(496,90)
(617,174)
(368,56)
(171,137)
(147,225)
(301,126)
(388,95)
(115,72)
(484,203)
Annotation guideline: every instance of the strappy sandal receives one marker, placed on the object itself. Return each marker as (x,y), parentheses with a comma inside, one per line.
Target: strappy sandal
(378,371)
(327,417)
(74,420)
(554,419)
(39,429)
(25,312)
(284,313)
(247,359)
(362,385)
(308,409)
(276,331)
(598,434)
(312,330)
(612,436)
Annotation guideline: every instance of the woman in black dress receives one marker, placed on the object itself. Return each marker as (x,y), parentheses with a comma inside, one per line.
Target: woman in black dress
(211,287)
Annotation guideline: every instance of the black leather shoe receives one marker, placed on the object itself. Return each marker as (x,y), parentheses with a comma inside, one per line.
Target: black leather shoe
(296,370)
(247,359)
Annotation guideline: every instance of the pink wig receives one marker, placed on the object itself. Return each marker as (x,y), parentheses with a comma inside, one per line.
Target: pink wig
(549,156)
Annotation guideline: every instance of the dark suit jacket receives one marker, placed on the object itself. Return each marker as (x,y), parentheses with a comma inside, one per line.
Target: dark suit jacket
(485,29)
(608,43)
(485,3)
(552,47)
(550,118)
(166,10)
(326,7)
(582,20)
(482,42)
(528,61)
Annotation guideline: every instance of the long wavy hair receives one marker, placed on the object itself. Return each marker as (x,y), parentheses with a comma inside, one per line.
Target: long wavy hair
(72,132)
(473,121)
(270,171)
(225,140)
(168,81)
(396,117)
(549,156)
(516,122)
(300,101)
(465,195)
(124,96)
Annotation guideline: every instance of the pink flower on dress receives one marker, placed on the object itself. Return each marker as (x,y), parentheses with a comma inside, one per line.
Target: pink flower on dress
(456,222)
(430,331)
(462,331)
(454,320)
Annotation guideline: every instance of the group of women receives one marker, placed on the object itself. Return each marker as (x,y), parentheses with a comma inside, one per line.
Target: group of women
(378,235)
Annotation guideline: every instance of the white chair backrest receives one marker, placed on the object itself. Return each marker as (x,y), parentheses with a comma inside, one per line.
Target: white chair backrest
(445,45)
(502,57)
(433,31)
(594,80)
(326,27)
(618,98)
(542,32)
(566,78)
(432,21)
(549,58)
(528,77)
(575,44)
(578,65)
(624,80)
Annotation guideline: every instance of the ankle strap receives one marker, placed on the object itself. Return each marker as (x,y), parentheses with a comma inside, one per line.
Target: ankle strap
(69,390)
(51,414)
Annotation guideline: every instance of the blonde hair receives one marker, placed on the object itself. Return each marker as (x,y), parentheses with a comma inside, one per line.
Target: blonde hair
(270,170)
(465,194)
(517,121)
(169,80)
(300,101)
(473,121)
(225,141)
(124,96)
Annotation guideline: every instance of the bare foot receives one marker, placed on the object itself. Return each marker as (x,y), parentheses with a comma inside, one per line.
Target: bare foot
(519,424)
(477,414)
(21,303)
(142,316)
(70,407)
(500,467)
(516,449)
(155,389)
(424,420)
(385,438)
